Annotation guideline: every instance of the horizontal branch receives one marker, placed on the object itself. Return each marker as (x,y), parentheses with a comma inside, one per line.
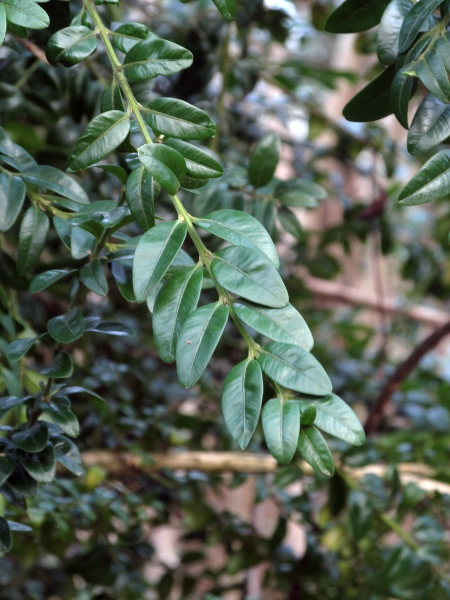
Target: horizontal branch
(118,464)
(338,292)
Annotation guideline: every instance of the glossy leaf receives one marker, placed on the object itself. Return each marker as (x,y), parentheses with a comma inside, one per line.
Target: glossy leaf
(22,483)
(299,192)
(227,8)
(33,439)
(96,325)
(153,57)
(279,324)
(26,13)
(242,395)
(101,137)
(294,368)
(140,194)
(68,454)
(334,416)
(48,278)
(9,402)
(60,367)
(112,99)
(32,236)
(315,451)
(389,30)
(281,425)
(71,45)
(176,300)
(49,178)
(264,160)
(7,466)
(308,412)
(197,341)
(401,91)
(373,101)
(430,126)
(5,536)
(431,71)
(94,278)
(165,164)
(240,229)
(154,254)
(199,164)
(353,16)
(249,274)
(19,348)
(290,223)
(2,23)
(178,119)
(67,328)
(115,170)
(41,466)
(62,416)
(12,195)
(128,35)
(414,22)
(431,182)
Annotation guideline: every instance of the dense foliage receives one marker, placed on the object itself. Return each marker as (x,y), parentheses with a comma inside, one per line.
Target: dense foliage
(126,211)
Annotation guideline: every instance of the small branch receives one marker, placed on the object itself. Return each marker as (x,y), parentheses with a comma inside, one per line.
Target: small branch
(400,374)
(31,47)
(117,464)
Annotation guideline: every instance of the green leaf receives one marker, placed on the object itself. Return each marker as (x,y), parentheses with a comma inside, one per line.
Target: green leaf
(153,57)
(227,8)
(101,137)
(402,89)
(76,389)
(442,49)
(199,164)
(431,182)
(128,35)
(242,395)
(373,101)
(5,536)
(264,160)
(240,229)
(22,483)
(26,13)
(299,192)
(13,497)
(67,328)
(82,243)
(389,30)
(430,126)
(2,23)
(20,157)
(281,425)
(353,16)
(166,165)
(33,439)
(14,526)
(308,413)
(290,223)
(96,325)
(294,368)
(41,466)
(49,178)
(334,416)
(62,416)
(115,170)
(178,119)
(248,273)
(197,341)
(68,455)
(176,300)
(60,367)
(414,22)
(140,194)
(19,348)
(12,195)
(94,278)
(7,466)
(431,71)
(9,402)
(154,254)
(112,99)
(280,324)
(48,278)
(315,451)
(32,236)
(71,45)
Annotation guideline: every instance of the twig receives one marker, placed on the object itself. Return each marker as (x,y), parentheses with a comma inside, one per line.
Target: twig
(31,47)
(400,374)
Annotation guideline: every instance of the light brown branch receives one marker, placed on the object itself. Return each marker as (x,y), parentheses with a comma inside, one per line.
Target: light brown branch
(118,464)
(337,292)
(400,374)
(31,47)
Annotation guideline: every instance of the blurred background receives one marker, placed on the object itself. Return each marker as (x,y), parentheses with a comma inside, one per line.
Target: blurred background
(370,277)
